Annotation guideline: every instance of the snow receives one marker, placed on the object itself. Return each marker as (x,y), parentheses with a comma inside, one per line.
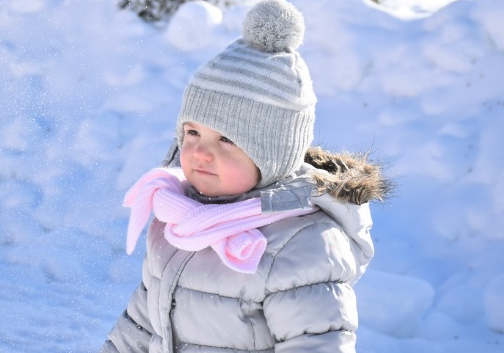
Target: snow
(396,313)
(89,99)
(493,303)
(189,38)
(409,9)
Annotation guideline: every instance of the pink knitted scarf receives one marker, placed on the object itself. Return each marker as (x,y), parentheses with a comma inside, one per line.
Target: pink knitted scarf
(229,229)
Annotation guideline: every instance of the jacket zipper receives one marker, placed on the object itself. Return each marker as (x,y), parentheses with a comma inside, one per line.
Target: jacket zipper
(173,303)
(174,340)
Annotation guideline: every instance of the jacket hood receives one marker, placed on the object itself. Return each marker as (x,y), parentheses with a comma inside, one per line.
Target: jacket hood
(341,185)
(345,177)
(348,177)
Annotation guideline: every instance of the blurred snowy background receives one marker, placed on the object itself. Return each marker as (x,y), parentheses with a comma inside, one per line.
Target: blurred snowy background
(89,96)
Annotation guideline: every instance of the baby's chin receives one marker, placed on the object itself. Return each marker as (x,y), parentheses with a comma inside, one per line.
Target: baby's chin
(215,191)
(208,190)
(209,193)
(214,186)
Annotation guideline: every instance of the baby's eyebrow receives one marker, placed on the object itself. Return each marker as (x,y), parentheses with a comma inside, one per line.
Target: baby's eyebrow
(191,125)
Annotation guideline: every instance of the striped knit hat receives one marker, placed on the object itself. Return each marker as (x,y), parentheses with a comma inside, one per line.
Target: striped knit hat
(258,92)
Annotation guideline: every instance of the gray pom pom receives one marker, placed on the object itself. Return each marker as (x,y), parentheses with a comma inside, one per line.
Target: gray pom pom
(274,26)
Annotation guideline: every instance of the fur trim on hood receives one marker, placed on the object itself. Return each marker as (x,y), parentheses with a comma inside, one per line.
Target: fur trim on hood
(348,177)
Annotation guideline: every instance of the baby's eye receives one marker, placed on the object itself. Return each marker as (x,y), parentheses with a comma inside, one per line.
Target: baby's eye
(226,140)
(191,132)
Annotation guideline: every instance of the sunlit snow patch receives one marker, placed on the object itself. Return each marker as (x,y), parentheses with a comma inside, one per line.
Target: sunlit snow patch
(409,9)
(26,6)
(193,24)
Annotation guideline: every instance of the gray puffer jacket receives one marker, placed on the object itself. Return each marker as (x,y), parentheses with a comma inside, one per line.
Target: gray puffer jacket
(301,297)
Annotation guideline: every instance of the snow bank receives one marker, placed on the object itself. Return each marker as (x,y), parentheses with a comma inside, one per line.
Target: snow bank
(184,34)
(393,304)
(494,304)
(410,9)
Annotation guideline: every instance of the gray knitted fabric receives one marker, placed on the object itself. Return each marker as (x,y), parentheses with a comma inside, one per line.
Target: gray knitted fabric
(258,92)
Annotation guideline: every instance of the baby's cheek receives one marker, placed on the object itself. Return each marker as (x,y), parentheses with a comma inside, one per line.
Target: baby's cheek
(245,181)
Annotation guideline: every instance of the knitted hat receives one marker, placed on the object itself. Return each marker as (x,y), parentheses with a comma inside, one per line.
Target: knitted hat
(258,92)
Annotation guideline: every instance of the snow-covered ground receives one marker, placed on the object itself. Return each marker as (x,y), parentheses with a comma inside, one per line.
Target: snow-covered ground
(409,9)
(89,97)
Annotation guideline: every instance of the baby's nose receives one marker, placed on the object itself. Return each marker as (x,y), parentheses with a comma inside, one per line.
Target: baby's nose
(203,151)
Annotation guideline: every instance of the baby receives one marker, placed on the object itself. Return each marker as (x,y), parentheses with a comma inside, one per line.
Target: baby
(258,238)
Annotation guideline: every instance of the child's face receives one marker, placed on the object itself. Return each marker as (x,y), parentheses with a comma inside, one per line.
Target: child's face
(213,164)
